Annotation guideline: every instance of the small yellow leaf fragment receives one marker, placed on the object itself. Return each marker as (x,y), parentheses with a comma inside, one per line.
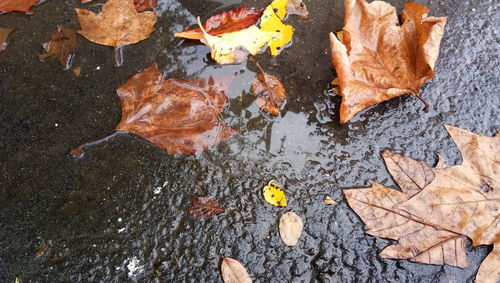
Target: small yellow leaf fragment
(329,201)
(290,228)
(17,280)
(77,71)
(274,195)
(234,272)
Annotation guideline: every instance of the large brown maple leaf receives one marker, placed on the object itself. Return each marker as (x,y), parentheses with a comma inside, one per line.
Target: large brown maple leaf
(176,115)
(118,24)
(447,203)
(378,59)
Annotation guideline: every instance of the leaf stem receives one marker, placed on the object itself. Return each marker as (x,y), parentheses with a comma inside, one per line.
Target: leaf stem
(427,107)
(77,152)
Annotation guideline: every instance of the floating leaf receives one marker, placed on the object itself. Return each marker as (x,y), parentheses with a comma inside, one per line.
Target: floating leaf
(118,24)
(203,207)
(7,6)
(234,272)
(176,115)
(4,33)
(379,60)
(61,46)
(274,195)
(271,22)
(270,92)
(234,47)
(290,228)
(225,22)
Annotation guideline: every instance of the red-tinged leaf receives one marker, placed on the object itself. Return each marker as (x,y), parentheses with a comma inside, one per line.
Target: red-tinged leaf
(297,8)
(225,22)
(270,92)
(4,33)
(7,6)
(203,207)
(61,46)
(176,115)
(145,5)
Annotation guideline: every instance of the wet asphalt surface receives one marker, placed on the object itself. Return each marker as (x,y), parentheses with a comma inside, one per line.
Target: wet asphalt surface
(119,213)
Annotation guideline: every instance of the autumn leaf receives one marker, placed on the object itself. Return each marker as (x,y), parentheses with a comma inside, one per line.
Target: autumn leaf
(145,5)
(118,24)
(290,226)
(329,201)
(61,46)
(234,47)
(234,272)
(176,115)
(297,8)
(225,22)
(439,205)
(7,6)
(417,241)
(273,194)
(203,207)
(269,91)
(4,33)
(271,21)
(465,198)
(379,60)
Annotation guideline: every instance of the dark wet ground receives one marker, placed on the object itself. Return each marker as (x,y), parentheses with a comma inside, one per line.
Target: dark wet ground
(120,213)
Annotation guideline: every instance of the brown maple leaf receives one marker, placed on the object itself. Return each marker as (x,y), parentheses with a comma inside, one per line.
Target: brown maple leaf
(118,24)
(7,6)
(270,92)
(204,206)
(417,240)
(225,22)
(61,46)
(466,198)
(451,202)
(380,60)
(4,33)
(176,115)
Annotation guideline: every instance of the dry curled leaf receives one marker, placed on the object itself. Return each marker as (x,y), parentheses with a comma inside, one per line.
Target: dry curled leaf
(418,242)
(176,115)
(225,22)
(439,206)
(379,60)
(291,226)
(270,92)
(465,198)
(203,207)
(61,46)
(7,6)
(234,272)
(117,24)
(4,33)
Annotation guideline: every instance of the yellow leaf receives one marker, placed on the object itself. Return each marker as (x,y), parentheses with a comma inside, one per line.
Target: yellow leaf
(274,195)
(234,47)
(271,22)
(278,7)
